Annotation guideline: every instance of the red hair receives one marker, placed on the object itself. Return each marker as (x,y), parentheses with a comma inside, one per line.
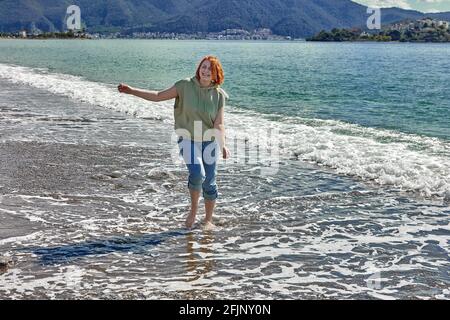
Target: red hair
(216,70)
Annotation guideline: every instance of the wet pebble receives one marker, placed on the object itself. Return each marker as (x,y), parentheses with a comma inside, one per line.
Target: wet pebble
(115,174)
(5,263)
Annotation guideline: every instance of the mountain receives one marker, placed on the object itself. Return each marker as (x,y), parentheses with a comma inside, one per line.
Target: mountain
(296,18)
(49,15)
(441,16)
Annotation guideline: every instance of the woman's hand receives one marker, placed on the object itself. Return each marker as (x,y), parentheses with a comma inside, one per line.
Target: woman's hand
(123,88)
(226,154)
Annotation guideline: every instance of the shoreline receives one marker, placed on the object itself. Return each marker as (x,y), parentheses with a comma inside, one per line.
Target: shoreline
(375,41)
(103,220)
(400,178)
(237,40)
(221,40)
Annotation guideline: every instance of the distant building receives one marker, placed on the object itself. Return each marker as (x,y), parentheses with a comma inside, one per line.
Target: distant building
(36,32)
(425,25)
(364,34)
(444,24)
(23,34)
(264,32)
(235,32)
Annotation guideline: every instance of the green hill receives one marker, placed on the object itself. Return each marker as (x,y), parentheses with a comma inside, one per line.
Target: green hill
(296,18)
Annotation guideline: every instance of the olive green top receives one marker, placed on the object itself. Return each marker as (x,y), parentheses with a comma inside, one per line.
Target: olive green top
(197,104)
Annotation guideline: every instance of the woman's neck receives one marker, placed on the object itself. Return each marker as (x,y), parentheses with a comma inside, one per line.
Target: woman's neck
(205,84)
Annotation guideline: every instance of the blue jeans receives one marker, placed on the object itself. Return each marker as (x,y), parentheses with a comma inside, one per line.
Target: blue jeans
(201,161)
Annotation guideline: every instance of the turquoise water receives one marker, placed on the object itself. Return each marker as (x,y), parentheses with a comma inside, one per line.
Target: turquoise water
(91,200)
(401,87)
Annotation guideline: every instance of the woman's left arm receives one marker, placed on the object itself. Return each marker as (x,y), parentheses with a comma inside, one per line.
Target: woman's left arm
(220,126)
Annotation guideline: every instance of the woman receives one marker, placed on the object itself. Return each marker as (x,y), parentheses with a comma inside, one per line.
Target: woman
(198,112)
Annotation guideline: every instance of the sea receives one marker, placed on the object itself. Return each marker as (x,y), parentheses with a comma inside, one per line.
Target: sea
(338,186)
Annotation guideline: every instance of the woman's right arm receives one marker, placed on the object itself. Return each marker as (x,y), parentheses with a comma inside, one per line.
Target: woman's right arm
(168,94)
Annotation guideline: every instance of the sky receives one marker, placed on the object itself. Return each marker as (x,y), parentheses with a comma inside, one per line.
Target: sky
(420,5)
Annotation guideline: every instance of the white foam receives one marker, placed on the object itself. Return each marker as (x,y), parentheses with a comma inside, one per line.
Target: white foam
(78,89)
(404,161)
(17,285)
(395,163)
(21,239)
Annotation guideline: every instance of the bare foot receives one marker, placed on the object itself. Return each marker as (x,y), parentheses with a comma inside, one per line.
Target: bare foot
(209,226)
(190,220)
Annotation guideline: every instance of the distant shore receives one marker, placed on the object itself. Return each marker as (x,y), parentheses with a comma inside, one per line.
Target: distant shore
(420,31)
(229,34)
(51,35)
(169,39)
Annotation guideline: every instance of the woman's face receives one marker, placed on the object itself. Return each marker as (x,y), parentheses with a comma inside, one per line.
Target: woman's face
(205,71)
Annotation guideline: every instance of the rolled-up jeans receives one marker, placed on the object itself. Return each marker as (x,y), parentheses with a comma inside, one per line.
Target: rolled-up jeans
(201,161)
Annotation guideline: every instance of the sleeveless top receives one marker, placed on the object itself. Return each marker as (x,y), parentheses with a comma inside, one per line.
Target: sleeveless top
(196,108)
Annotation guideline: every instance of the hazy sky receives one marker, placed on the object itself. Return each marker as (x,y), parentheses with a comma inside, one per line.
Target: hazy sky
(420,5)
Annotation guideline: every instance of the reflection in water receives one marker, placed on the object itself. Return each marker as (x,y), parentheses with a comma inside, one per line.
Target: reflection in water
(199,254)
